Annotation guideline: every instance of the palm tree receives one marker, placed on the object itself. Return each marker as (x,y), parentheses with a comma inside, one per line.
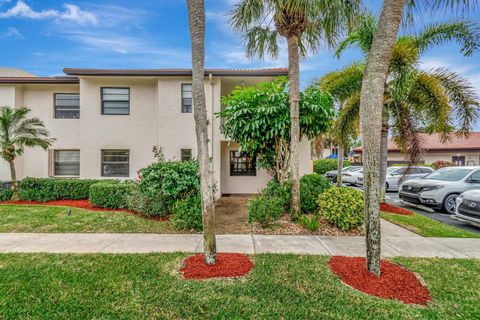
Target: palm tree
(18,132)
(196,16)
(371,103)
(305,24)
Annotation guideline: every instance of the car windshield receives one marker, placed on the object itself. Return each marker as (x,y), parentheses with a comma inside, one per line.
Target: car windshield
(355,169)
(448,174)
(391,169)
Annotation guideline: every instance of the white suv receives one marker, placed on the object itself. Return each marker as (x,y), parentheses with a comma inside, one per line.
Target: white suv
(439,189)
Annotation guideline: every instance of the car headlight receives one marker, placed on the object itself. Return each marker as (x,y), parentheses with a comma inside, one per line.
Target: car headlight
(431,188)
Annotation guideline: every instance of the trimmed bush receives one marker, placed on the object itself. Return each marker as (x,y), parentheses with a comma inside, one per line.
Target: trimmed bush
(311,186)
(150,207)
(6,194)
(342,207)
(324,165)
(112,195)
(50,189)
(188,212)
(265,209)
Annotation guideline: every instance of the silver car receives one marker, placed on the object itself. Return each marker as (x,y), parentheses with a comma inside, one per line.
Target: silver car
(398,175)
(468,207)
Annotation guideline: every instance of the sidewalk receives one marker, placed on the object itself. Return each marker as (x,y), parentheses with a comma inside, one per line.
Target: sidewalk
(396,241)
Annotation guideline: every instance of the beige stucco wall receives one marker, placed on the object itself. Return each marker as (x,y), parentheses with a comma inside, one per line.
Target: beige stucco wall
(471,158)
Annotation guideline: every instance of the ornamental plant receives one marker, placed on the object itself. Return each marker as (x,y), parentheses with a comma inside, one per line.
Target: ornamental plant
(342,207)
(311,186)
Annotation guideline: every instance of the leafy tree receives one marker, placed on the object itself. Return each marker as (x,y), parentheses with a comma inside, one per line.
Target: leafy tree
(18,132)
(305,24)
(196,17)
(257,119)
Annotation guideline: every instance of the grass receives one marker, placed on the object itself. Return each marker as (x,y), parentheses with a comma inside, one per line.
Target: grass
(24,218)
(427,227)
(147,286)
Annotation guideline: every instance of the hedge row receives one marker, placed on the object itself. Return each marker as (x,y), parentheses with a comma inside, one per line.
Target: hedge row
(112,195)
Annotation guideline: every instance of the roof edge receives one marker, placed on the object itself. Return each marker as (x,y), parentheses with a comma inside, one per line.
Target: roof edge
(39,80)
(175,72)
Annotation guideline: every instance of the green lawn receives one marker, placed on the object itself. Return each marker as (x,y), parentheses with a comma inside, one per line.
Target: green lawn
(147,286)
(427,227)
(24,218)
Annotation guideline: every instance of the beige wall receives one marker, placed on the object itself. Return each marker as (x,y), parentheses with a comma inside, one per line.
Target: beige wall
(471,158)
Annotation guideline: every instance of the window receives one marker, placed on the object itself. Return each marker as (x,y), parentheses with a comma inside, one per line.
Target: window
(186,154)
(67,105)
(116,101)
(186,98)
(241,164)
(66,162)
(115,163)
(475,177)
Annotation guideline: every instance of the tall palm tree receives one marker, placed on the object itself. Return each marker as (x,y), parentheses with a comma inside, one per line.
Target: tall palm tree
(305,24)
(196,16)
(18,132)
(371,103)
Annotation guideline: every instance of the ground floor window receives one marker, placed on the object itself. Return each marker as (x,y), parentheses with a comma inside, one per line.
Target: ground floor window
(67,162)
(115,163)
(186,154)
(241,164)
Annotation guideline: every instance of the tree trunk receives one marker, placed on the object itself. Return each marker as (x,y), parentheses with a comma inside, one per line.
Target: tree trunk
(318,147)
(340,165)
(384,153)
(294,93)
(371,103)
(13,174)
(196,15)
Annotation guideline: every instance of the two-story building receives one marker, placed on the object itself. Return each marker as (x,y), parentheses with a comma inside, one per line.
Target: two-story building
(106,123)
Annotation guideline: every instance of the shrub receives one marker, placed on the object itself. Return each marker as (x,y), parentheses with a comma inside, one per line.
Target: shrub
(188,212)
(6,194)
(311,186)
(50,189)
(265,209)
(323,165)
(112,195)
(279,190)
(441,164)
(342,207)
(169,181)
(311,223)
(150,207)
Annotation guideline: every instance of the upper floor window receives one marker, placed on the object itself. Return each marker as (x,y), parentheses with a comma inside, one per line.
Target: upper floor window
(186,98)
(116,101)
(186,154)
(67,105)
(66,162)
(241,164)
(115,163)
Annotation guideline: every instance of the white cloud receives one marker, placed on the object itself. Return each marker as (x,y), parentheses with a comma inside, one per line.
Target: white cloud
(72,13)
(11,33)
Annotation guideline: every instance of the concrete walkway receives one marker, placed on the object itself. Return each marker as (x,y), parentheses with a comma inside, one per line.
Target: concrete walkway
(396,241)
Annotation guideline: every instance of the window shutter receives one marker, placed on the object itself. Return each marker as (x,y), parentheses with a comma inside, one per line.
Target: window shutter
(51,163)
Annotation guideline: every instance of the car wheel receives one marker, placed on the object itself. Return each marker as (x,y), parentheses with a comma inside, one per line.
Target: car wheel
(449,203)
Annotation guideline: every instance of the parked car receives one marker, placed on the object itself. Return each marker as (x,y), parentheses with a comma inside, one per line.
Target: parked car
(396,176)
(352,177)
(468,207)
(332,175)
(440,188)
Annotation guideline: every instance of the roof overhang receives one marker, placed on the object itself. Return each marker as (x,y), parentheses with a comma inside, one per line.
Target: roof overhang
(39,80)
(268,72)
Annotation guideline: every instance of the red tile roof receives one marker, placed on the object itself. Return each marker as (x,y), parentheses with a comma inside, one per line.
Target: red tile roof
(433,143)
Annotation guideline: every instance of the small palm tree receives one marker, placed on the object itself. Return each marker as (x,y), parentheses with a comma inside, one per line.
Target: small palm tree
(18,132)
(305,24)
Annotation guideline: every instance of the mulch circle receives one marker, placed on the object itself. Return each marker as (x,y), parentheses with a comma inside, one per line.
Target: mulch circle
(394,209)
(395,282)
(228,265)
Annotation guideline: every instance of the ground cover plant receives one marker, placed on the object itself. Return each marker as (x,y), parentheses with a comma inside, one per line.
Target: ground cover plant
(146,286)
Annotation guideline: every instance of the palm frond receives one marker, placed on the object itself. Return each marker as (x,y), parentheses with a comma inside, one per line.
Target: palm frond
(362,36)
(246,13)
(346,125)
(260,41)
(344,83)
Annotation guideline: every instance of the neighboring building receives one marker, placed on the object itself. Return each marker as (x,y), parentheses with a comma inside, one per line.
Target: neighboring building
(107,122)
(461,151)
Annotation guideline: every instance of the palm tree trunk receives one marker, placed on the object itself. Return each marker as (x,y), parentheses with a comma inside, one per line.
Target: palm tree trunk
(384,153)
(318,147)
(371,103)
(340,165)
(294,92)
(196,15)
(13,174)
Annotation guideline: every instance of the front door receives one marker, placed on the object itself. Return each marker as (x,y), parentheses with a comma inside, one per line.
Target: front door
(458,160)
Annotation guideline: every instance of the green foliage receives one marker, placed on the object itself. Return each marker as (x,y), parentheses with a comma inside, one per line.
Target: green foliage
(188,212)
(50,189)
(342,207)
(6,195)
(148,206)
(311,186)
(169,181)
(112,195)
(258,118)
(279,190)
(312,223)
(265,209)
(324,165)
(442,164)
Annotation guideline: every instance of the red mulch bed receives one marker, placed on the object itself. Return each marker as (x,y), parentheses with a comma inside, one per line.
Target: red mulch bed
(228,265)
(82,204)
(394,209)
(395,282)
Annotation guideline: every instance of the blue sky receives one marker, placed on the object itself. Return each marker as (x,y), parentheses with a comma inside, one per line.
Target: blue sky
(43,37)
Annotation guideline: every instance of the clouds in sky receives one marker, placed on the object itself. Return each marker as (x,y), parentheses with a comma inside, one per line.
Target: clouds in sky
(11,32)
